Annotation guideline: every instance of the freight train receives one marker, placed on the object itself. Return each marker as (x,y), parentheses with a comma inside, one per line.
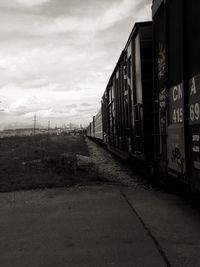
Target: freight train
(150,109)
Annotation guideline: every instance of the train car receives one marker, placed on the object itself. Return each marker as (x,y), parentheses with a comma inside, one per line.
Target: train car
(94,129)
(176,42)
(151,106)
(113,111)
(98,133)
(127,102)
(104,110)
(139,88)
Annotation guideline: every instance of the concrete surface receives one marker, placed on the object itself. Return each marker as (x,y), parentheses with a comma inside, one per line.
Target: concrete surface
(86,226)
(173,223)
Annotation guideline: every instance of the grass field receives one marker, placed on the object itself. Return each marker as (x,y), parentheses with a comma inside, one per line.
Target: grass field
(42,161)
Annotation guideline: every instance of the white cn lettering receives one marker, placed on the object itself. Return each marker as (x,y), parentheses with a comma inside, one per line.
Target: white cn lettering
(193,89)
(177,92)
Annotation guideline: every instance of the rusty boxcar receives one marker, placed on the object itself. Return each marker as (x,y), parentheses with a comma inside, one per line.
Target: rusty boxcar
(176,43)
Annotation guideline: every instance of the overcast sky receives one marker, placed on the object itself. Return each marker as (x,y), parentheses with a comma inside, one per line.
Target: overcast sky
(56,56)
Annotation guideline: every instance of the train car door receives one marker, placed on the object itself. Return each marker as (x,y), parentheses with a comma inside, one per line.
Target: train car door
(160,86)
(169,81)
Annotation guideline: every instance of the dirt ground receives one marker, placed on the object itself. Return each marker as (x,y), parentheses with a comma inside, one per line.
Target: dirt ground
(115,170)
(60,161)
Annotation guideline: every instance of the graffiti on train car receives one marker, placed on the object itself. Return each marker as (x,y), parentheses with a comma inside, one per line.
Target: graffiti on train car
(161,61)
(177,158)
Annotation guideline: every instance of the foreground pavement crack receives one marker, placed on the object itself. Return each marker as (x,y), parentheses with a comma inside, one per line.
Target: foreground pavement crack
(158,246)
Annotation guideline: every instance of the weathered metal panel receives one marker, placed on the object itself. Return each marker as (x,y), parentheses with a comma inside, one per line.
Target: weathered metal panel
(160,84)
(169,83)
(192,73)
(194,121)
(159,28)
(176,132)
(177,83)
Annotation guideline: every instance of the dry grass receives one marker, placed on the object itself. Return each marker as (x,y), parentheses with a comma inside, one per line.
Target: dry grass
(42,161)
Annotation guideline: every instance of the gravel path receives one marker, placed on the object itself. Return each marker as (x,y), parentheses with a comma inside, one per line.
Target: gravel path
(112,169)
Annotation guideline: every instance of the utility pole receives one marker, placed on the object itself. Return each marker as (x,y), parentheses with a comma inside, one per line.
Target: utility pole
(34,124)
(48,129)
(48,125)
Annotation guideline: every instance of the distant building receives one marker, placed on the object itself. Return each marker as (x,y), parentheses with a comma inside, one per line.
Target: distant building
(16,132)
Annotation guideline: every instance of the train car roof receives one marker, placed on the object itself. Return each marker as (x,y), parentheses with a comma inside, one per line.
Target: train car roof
(136,26)
(134,31)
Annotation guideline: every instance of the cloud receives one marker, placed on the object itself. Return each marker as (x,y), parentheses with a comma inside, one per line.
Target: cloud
(31,2)
(115,13)
(85,104)
(56,56)
(93,110)
(43,25)
(22,3)
(38,82)
(71,106)
(24,102)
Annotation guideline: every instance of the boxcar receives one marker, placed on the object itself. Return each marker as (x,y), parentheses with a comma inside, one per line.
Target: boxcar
(127,102)
(104,110)
(176,42)
(151,105)
(114,112)
(139,87)
(88,130)
(98,133)
(94,130)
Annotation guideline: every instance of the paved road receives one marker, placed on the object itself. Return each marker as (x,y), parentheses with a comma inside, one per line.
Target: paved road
(88,226)
(103,225)
(173,223)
